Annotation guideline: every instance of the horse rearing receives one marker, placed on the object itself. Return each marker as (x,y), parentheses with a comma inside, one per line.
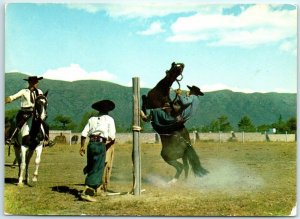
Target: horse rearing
(175,144)
(33,141)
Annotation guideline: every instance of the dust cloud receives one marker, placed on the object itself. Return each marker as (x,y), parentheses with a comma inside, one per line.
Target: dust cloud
(224,175)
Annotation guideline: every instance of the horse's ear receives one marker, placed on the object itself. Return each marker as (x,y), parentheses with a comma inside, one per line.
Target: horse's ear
(46,93)
(173,63)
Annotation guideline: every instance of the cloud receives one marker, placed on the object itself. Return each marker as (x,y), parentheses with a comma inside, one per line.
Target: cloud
(90,8)
(289,46)
(220,86)
(145,8)
(154,28)
(255,25)
(74,73)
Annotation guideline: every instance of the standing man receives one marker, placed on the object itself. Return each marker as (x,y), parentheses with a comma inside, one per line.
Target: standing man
(100,130)
(27,97)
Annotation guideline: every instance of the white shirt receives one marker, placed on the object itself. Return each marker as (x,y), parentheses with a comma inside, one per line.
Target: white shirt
(24,94)
(103,125)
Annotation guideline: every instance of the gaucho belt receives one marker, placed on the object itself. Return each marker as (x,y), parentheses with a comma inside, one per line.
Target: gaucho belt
(97,138)
(27,109)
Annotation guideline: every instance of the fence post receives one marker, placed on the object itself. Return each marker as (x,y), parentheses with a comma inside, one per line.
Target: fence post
(243,136)
(136,137)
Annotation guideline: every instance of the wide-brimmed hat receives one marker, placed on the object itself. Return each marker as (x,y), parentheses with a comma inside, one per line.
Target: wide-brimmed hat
(195,90)
(104,105)
(33,79)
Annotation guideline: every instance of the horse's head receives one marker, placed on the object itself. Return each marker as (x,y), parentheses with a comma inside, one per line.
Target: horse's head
(175,70)
(40,108)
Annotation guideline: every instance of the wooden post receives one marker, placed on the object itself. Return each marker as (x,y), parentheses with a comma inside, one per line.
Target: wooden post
(136,137)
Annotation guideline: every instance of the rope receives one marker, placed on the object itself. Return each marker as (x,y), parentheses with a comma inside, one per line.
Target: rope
(136,128)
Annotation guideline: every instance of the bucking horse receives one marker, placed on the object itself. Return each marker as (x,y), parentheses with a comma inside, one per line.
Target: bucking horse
(175,144)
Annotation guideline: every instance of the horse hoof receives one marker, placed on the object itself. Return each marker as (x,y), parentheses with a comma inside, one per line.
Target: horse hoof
(172,181)
(20,184)
(34,178)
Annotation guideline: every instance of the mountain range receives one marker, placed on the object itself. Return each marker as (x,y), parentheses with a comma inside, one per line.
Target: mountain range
(74,99)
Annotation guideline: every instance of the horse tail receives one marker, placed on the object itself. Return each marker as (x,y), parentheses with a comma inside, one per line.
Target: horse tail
(194,161)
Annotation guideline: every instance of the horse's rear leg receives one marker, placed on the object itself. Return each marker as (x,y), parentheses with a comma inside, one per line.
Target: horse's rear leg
(38,151)
(178,166)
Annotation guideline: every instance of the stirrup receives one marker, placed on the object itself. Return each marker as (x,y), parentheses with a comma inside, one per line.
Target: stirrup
(8,141)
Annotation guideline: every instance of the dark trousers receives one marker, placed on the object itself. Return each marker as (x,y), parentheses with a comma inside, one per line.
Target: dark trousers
(24,116)
(94,169)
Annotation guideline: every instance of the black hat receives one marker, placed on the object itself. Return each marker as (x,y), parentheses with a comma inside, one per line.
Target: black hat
(195,90)
(104,105)
(33,79)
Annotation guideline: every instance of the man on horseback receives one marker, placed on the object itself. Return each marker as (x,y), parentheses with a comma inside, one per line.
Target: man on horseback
(28,96)
(101,131)
(167,119)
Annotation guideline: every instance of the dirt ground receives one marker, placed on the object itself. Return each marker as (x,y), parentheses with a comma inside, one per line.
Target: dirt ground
(245,179)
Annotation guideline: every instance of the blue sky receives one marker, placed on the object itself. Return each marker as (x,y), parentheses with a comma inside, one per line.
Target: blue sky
(247,48)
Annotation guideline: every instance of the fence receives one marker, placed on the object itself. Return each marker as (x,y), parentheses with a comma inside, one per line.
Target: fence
(151,138)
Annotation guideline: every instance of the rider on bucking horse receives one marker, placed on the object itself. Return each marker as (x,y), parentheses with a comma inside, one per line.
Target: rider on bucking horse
(169,118)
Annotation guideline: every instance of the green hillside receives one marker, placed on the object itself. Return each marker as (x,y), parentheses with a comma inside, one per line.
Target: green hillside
(74,99)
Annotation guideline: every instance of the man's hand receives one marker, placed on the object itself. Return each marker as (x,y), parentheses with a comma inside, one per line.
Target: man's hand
(7,100)
(178,92)
(82,148)
(82,151)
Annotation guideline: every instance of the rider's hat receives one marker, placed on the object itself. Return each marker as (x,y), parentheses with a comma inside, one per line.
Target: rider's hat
(33,79)
(104,105)
(195,90)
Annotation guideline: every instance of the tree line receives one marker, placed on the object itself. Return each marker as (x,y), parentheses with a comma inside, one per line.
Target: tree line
(221,124)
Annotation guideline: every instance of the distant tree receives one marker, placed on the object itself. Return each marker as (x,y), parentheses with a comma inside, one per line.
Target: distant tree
(264,127)
(292,125)
(280,125)
(221,124)
(63,122)
(224,124)
(245,124)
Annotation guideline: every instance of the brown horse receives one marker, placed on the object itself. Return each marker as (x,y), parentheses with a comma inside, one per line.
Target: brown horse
(175,144)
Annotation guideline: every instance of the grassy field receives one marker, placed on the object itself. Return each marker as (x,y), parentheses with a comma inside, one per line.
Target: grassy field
(245,179)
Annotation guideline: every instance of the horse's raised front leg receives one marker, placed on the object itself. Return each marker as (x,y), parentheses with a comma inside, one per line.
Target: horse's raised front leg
(38,151)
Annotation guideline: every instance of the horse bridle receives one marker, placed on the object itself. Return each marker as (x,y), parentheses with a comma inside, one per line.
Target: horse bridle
(178,82)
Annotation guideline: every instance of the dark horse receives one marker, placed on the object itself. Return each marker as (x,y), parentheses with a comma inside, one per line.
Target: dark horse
(175,144)
(32,141)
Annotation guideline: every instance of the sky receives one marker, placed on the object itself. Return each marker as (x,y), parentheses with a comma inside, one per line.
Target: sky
(242,47)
